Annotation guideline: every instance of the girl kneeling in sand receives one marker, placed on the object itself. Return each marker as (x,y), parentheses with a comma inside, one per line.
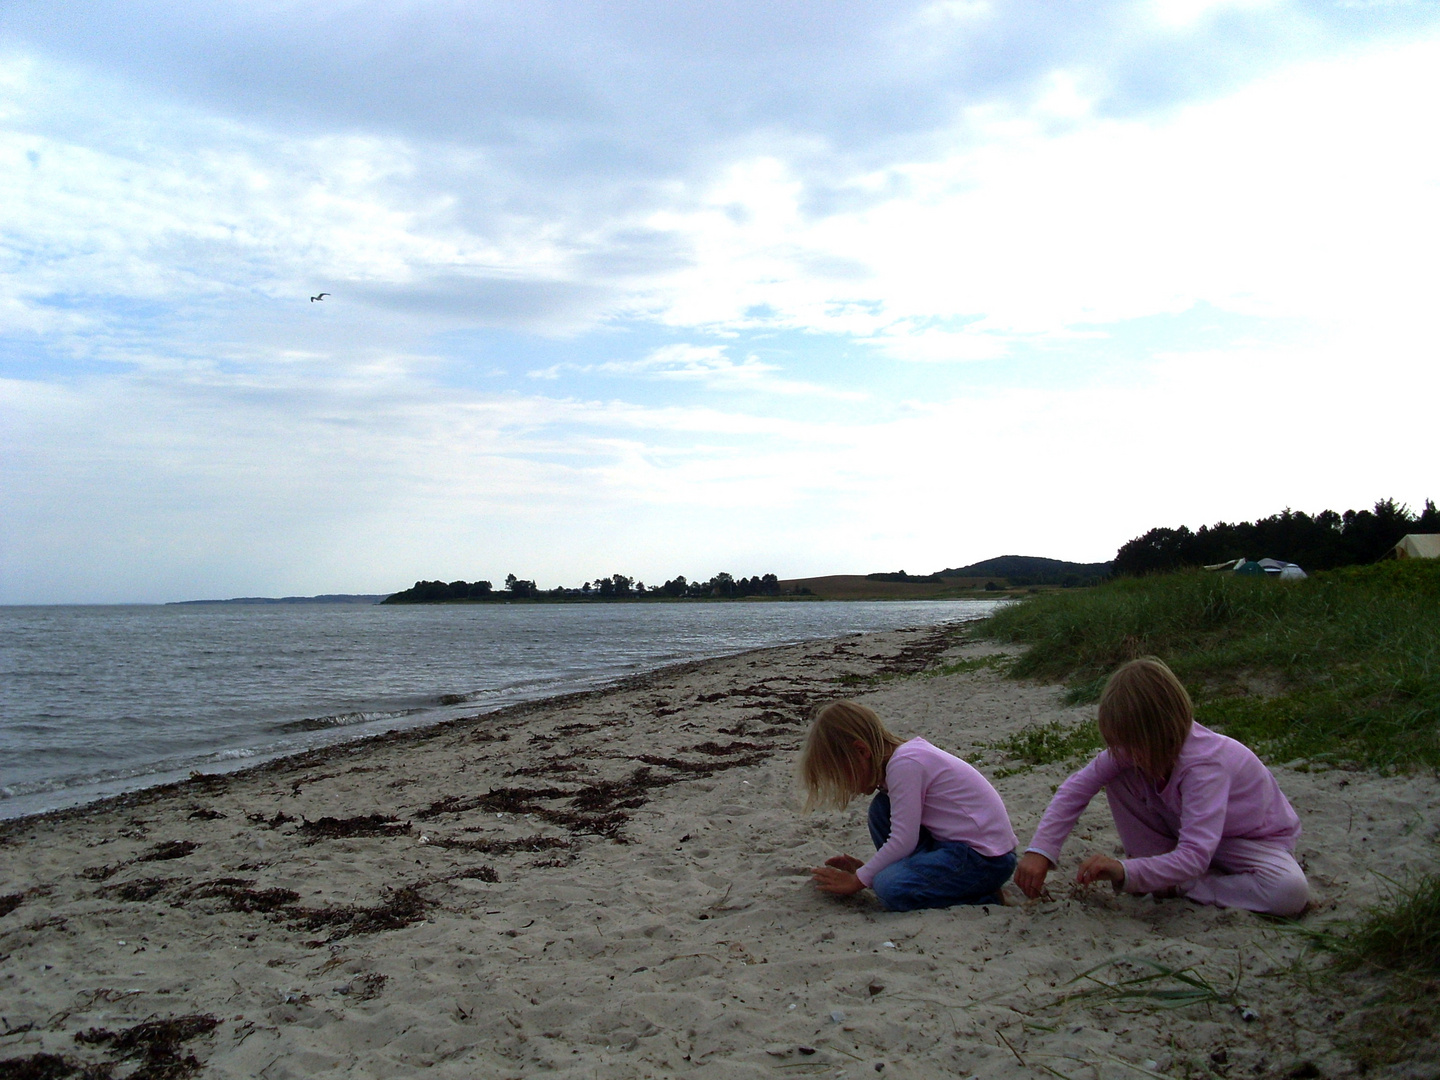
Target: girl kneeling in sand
(1199,815)
(941,831)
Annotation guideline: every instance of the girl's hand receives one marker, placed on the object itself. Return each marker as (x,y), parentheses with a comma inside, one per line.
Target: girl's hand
(835,881)
(844,862)
(1100,868)
(1030,873)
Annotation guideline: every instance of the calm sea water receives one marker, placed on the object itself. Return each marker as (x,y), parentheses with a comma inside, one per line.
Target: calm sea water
(98,700)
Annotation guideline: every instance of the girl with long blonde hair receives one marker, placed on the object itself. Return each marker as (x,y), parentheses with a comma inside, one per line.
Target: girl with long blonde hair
(941,832)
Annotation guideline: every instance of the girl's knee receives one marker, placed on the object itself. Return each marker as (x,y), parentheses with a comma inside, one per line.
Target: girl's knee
(1289,894)
(890,890)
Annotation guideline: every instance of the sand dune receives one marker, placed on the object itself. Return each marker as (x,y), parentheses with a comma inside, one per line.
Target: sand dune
(615,885)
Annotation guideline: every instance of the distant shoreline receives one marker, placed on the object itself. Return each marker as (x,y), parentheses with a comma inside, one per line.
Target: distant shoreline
(331,598)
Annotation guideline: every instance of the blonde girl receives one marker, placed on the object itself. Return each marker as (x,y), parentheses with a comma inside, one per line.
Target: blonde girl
(941,832)
(1199,814)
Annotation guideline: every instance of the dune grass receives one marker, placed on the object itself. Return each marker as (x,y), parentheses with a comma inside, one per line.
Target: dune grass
(1043,744)
(1343,667)
(1401,933)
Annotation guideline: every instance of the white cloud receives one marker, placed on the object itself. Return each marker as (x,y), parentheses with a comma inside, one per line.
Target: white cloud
(245,440)
(707,365)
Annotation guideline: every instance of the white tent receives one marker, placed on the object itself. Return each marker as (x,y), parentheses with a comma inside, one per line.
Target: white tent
(1418,546)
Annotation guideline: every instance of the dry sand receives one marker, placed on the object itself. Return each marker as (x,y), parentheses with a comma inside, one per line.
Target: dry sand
(615,885)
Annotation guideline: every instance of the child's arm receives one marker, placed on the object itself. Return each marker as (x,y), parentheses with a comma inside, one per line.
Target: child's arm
(1060,816)
(905,782)
(1204,800)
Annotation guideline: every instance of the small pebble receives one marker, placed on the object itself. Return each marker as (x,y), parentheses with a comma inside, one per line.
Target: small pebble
(888,945)
(807,1050)
(837,1016)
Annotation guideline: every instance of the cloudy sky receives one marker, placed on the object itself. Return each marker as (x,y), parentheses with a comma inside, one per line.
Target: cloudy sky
(659,288)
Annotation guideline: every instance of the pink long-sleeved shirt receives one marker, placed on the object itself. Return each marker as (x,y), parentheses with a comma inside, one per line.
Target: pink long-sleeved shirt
(1218,789)
(946,795)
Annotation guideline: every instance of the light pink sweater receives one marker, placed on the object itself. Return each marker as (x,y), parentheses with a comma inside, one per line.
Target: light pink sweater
(946,795)
(1217,790)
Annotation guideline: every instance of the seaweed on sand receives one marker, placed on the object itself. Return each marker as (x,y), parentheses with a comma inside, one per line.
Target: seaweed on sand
(137,891)
(329,828)
(401,908)
(275,822)
(51,1067)
(716,750)
(502,847)
(516,800)
(170,849)
(156,1043)
(239,895)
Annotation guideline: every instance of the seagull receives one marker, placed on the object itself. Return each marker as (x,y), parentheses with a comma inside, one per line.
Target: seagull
(320,297)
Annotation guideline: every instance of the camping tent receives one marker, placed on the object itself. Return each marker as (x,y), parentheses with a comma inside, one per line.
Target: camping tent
(1418,546)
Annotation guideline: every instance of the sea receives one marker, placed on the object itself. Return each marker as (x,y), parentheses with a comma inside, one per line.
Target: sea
(97,701)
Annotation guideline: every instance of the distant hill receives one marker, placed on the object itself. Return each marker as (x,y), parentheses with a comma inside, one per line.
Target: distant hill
(1029,570)
(328,598)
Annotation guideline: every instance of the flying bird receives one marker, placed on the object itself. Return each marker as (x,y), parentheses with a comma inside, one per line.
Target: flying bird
(320,297)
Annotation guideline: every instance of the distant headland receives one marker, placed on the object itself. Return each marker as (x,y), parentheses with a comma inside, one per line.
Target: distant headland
(1325,541)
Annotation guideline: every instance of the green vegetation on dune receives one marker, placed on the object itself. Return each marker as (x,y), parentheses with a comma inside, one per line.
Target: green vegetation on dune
(1341,667)
(1401,933)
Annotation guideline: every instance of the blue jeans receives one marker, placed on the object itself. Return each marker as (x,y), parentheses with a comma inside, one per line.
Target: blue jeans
(938,873)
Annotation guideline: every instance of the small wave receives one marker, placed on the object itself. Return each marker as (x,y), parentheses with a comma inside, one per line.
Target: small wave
(338,720)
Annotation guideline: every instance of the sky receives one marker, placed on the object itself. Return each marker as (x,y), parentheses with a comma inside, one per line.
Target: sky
(679,288)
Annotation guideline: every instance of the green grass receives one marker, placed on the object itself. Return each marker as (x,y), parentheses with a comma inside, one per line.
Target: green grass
(996,662)
(1341,667)
(1401,933)
(1154,983)
(1043,744)
(1398,937)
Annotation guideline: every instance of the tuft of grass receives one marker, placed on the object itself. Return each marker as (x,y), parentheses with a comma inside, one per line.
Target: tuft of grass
(1401,933)
(1157,984)
(994,662)
(1398,937)
(1043,744)
(1341,667)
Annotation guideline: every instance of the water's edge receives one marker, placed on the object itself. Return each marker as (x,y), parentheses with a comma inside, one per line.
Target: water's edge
(165,786)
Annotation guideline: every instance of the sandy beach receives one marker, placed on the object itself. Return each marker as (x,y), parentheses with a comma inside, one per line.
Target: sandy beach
(615,884)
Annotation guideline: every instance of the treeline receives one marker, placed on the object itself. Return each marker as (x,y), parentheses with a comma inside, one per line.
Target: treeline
(1322,542)
(615,587)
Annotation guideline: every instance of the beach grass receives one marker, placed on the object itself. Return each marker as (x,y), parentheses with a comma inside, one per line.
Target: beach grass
(1398,937)
(1044,744)
(1401,933)
(1343,667)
